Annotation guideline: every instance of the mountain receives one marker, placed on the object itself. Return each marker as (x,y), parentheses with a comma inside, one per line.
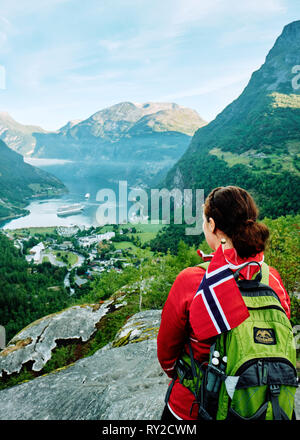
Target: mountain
(17,136)
(125,131)
(255,141)
(20,181)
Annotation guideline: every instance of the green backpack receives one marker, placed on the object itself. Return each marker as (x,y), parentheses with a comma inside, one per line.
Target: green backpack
(251,372)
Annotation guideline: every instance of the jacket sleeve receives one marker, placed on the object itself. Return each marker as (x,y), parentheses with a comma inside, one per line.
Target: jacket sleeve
(276,284)
(173,329)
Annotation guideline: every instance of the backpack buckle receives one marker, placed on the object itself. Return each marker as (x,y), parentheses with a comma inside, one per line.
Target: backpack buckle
(274,390)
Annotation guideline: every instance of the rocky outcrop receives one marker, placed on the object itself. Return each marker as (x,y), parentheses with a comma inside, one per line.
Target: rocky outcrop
(141,326)
(36,342)
(122,381)
(116,383)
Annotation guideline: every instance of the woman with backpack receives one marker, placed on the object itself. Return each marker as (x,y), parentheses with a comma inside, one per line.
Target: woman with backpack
(231,229)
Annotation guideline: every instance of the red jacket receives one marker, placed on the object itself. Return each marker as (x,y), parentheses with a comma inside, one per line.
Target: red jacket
(175,329)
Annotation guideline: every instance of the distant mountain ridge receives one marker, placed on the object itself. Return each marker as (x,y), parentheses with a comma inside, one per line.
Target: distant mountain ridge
(149,131)
(18,136)
(255,141)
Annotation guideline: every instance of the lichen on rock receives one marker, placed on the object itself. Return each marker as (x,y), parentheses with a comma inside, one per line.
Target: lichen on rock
(141,326)
(36,342)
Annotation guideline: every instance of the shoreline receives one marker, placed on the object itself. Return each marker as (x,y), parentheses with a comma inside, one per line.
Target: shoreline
(25,212)
(12,217)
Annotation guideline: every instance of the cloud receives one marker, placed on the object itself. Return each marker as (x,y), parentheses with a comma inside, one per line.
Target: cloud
(6,30)
(82,55)
(111,45)
(259,6)
(162,29)
(208,87)
(12,8)
(49,65)
(246,34)
(189,11)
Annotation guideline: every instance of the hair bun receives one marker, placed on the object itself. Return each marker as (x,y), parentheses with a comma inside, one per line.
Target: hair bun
(235,213)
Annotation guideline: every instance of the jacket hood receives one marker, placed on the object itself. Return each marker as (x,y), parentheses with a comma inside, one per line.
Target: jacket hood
(235,262)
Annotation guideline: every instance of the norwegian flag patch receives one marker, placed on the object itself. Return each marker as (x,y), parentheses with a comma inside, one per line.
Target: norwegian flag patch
(218,305)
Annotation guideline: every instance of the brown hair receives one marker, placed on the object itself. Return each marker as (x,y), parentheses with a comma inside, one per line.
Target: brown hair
(235,213)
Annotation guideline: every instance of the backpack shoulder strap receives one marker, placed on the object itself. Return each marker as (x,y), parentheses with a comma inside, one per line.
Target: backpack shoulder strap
(265,270)
(203,265)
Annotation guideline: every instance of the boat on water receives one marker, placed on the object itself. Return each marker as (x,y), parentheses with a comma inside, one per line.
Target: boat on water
(87,196)
(76,208)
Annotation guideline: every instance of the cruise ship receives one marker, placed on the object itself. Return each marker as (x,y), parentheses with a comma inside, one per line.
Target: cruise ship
(70,209)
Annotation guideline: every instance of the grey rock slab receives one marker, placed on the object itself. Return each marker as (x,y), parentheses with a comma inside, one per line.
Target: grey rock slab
(121,383)
(142,325)
(125,383)
(36,341)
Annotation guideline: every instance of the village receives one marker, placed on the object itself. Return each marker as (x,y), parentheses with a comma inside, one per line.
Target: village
(84,252)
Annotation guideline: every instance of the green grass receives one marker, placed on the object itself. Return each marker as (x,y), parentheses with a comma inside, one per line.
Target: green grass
(148,227)
(271,162)
(230,158)
(125,245)
(285,101)
(128,245)
(72,258)
(33,231)
(147,232)
(146,236)
(36,187)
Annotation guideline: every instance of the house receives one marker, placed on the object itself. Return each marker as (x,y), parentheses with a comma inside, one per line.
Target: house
(35,252)
(65,245)
(92,239)
(80,281)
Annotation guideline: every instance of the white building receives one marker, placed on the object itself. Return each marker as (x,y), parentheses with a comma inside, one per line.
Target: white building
(35,253)
(88,241)
(67,231)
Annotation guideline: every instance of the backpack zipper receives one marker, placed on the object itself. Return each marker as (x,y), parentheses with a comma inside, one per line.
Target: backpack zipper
(247,364)
(267,307)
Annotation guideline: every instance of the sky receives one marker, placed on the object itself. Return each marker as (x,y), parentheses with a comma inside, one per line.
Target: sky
(63,60)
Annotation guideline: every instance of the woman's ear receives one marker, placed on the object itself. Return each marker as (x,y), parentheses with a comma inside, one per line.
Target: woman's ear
(211,224)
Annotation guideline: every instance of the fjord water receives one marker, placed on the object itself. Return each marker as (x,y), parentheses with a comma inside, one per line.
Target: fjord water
(80,178)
